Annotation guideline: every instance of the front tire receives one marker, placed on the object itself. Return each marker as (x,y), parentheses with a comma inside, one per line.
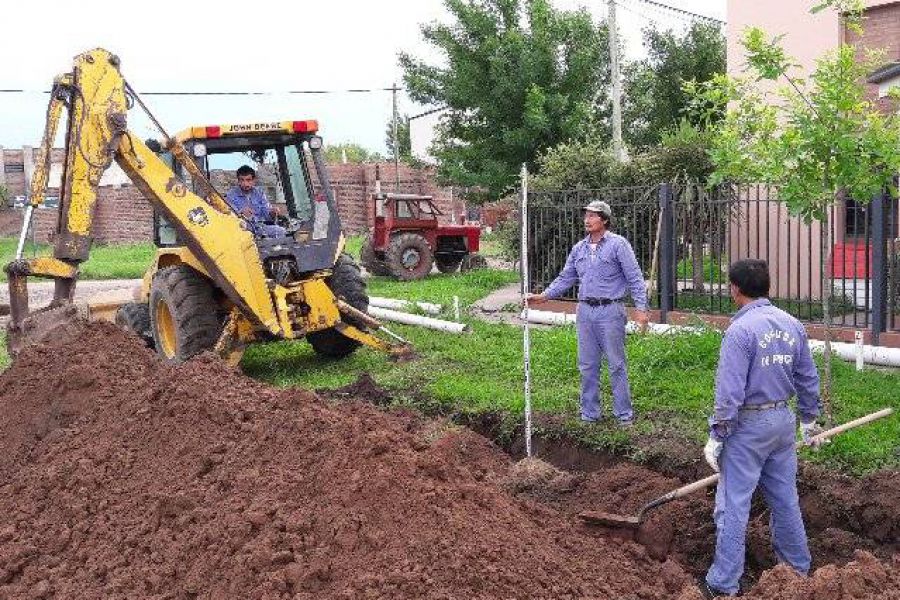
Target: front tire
(183,313)
(135,317)
(345,282)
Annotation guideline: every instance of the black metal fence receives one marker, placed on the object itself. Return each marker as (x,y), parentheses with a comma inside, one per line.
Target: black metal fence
(685,236)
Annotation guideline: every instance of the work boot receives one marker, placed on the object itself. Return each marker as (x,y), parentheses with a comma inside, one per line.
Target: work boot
(710,592)
(625,423)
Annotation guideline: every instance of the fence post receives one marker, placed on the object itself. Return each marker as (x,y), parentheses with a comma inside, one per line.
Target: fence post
(666,253)
(879,273)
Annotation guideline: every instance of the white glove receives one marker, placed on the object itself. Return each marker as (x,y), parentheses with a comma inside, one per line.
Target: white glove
(809,431)
(711,452)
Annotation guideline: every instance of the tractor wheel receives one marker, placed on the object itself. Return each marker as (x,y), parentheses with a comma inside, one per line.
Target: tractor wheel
(369,258)
(345,282)
(135,317)
(183,313)
(447,264)
(409,257)
(471,262)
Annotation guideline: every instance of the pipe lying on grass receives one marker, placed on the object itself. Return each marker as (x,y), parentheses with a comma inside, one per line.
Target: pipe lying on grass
(428,307)
(547,317)
(872,355)
(410,319)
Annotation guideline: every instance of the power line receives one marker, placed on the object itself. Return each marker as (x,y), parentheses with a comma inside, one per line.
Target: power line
(230,93)
(693,15)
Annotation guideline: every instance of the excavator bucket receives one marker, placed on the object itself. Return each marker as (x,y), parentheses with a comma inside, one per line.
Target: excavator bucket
(54,326)
(54,322)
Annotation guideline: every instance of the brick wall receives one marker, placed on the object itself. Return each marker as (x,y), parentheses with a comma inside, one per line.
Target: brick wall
(354,185)
(881,30)
(123,215)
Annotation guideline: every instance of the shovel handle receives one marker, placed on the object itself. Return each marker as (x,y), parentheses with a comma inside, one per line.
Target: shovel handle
(713,479)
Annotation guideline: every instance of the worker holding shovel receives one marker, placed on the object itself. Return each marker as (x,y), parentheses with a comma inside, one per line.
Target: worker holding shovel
(764,362)
(604,266)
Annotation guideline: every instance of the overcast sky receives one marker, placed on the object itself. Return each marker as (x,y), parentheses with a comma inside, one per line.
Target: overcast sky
(247,46)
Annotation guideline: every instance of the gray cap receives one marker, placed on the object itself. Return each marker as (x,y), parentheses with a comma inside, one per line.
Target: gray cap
(599,206)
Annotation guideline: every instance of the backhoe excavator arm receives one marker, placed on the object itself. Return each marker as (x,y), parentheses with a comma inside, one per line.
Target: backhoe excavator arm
(98,98)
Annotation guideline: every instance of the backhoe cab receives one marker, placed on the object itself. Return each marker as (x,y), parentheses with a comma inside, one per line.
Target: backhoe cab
(213,283)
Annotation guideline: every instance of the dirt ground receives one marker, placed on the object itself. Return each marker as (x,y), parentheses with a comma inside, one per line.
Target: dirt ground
(123,477)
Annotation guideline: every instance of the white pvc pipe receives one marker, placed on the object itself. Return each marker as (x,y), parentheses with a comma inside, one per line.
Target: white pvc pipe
(546,317)
(873,355)
(431,309)
(387,314)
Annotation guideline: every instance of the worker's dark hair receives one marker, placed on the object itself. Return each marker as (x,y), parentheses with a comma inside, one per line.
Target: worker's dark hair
(751,276)
(246,170)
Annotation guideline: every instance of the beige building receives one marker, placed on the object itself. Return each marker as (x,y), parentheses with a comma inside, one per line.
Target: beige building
(762,228)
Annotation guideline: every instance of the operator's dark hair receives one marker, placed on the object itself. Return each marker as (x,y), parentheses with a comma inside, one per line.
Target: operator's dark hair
(246,170)
(751,276)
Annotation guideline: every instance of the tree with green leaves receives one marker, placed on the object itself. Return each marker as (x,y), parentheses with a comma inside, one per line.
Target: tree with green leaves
(655,99)
(403,140)
(354,153)
(818,141)
(520,77)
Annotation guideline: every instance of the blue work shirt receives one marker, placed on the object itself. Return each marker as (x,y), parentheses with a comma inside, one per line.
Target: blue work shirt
(258,203)
(764,358)
(255,199)
(607,272)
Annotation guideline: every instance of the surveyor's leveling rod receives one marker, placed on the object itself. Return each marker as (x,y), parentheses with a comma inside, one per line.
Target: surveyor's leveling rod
(526,334)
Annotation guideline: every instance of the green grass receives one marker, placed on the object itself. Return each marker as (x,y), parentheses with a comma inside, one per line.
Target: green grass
(712,271)
(440,288)
(354,245)
(490,245)
(672,381)
(4,357)
(107,261)
(720,304)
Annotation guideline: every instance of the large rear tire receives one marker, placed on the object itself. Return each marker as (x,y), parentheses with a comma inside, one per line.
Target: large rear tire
(183,313)
(369,258)
(409,257)
(345,282)
(135,317)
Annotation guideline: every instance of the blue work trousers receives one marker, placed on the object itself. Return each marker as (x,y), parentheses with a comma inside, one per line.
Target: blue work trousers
(601,333)
(760,450)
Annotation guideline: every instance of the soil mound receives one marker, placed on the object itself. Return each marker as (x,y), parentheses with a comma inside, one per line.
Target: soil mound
(123,477)
(864,578)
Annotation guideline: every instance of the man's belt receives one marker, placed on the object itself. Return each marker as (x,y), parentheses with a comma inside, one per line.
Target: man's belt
(765,406)
(600,301)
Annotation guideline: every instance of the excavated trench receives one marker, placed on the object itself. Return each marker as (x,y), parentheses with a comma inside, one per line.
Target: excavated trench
(124,477)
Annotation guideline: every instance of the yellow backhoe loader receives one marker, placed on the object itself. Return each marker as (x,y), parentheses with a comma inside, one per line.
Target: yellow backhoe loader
(214,283)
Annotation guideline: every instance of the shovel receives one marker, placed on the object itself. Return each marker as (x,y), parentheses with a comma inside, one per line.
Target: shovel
(633,522)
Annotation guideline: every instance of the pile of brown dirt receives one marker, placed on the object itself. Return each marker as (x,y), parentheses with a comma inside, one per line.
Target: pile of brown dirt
(864,577)
(121,477)
(842,516)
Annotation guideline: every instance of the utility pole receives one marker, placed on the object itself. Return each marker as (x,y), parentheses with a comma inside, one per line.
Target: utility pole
(396,142)
(616,83)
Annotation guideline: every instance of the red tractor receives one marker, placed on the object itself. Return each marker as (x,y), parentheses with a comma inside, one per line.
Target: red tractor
(407,240)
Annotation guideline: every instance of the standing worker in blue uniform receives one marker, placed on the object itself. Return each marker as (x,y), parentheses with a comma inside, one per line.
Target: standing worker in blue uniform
(764,362)
(250,202)
(605,268)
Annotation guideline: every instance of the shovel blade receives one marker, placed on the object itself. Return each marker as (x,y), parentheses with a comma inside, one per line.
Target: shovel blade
(610,520)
